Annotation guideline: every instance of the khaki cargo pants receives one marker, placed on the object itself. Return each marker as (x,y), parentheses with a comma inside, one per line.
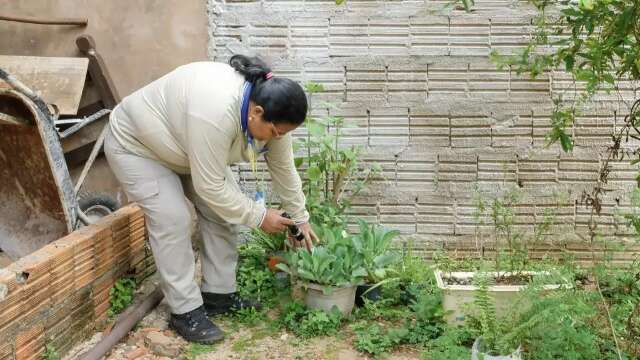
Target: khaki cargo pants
(161,192)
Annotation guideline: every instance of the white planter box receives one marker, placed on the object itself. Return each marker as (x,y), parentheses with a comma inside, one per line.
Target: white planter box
(456,296)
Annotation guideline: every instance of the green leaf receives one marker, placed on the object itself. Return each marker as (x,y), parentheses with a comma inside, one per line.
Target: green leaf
(283,267)
(313,87)
(467,5)
(380,273)
(586,4)
(385,259)
(569,61)
(609,78)
(307,275)
(316,128)
(566,142)
(314,173)
(359,273)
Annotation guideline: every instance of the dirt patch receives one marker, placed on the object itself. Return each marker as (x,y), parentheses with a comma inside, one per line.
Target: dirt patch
(152,339)
(242,343)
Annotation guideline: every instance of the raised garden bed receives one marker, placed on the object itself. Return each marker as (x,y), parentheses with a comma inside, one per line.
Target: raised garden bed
(458,291)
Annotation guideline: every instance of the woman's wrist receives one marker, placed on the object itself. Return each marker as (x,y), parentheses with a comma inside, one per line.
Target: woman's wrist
(262,217)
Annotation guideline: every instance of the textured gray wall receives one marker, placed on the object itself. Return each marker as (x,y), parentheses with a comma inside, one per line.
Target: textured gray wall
(416,83)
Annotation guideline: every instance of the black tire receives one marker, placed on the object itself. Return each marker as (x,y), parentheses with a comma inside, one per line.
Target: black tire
(97,205)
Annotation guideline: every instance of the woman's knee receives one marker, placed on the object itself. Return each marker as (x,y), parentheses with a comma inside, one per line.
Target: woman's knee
(178,218)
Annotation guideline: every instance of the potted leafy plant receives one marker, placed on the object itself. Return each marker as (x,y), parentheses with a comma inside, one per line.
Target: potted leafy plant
(329,272)
(373,243)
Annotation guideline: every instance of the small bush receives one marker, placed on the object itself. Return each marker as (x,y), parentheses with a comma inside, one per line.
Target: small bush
(375,340)
(121,296)
(254,279)
(307,323)
(453,344)
(249,316)
(50,353)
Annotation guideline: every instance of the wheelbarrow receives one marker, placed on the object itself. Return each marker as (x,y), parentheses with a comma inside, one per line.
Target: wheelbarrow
(38,200)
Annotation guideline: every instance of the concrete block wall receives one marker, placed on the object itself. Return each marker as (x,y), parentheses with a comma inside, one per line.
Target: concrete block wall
(59,295)
(415,83)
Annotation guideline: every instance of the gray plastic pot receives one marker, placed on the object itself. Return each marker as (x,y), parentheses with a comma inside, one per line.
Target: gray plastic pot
(477,354)
(341,297)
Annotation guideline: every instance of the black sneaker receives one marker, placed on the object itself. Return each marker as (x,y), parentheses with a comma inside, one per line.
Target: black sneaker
(217,304)
(194,326)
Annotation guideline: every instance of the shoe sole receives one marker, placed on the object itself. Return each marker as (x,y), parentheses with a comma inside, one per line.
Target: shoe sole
(218,312)
(207,342)
(224,312)
(200,341)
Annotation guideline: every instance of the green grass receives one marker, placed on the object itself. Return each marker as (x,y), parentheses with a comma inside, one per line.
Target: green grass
(194,350)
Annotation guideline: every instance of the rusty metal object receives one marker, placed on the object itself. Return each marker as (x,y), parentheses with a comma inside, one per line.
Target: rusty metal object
(32,20)
(37,201)
(126,321)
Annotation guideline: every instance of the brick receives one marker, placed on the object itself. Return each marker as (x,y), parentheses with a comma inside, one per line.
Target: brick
(37,296)
(11,304)
(29,342)
(6,350)
(33,267)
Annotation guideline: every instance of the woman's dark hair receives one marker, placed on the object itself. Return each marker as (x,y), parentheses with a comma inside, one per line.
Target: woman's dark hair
(282,99)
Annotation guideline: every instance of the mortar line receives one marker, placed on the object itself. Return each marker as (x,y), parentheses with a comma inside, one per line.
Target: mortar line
(409,123)
(415,214)
(575,214)
(344,84)
(368,128)
(426,95)
(386,83)
(449,120)
(518,171)
(509,84)
(455,215)
(437,170)
(532,129)
(396,169)
(448,35)
(467,91)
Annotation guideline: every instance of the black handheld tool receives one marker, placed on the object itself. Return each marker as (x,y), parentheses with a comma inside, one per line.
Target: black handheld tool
(294,230)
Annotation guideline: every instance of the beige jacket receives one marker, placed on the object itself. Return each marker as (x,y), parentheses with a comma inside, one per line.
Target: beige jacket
(189,120)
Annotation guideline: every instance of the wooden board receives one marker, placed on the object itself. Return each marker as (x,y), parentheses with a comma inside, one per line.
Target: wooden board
(58,80)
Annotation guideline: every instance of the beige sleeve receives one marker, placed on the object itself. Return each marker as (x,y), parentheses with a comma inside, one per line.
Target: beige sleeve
(285,177)
(208,149)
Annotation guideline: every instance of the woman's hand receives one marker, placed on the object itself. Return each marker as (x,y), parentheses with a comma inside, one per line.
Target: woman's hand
(310,237)
(274,221)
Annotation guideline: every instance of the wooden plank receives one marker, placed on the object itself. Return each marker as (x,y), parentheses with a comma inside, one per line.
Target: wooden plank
(58,80)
